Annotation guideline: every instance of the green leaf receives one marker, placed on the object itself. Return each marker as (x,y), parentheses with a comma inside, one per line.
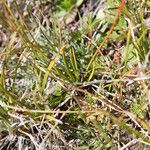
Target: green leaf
(58,91)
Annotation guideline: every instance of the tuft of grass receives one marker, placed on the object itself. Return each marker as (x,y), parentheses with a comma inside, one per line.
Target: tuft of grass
(81,89)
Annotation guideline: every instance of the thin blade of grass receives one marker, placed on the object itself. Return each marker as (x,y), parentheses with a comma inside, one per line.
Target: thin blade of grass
(120,8)
(51,64)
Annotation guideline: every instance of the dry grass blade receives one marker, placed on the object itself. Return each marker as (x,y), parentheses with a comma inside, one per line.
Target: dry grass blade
(51,64)
(120,8)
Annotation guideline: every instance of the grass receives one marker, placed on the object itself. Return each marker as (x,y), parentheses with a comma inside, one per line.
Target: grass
(81,89)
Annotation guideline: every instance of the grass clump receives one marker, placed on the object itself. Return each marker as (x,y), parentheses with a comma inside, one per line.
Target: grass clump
(77,84)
